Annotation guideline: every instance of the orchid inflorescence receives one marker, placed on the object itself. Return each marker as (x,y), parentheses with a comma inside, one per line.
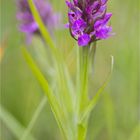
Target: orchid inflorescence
(27,23)
(88,20)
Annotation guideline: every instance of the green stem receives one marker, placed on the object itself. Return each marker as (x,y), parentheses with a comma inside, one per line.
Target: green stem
(82,90)
(84,76)
(92,58)
(86,59)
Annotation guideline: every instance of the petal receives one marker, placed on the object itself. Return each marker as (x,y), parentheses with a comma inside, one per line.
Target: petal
(103,2)
(84,40)
(103,22)
(70,5)
(75,2)
(24,16)
(92,8)
(103,32)
(79,24)
(29,28)
(72,17)
(100,13)
(107,18)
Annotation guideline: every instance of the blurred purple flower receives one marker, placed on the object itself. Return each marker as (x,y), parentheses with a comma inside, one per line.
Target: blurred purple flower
(27,23)
(88,20)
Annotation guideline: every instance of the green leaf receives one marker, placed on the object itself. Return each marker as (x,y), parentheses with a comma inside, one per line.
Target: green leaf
(16,128)
(63,74)
(58,112)
(65,84)
(96,98)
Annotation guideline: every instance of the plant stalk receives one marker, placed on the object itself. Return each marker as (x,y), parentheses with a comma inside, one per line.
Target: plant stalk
(86,60)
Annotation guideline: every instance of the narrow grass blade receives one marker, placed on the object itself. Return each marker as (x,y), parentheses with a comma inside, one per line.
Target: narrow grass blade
(34,118)
(55,52)
(60,66)
(14,126)
(96,98)
(58,112)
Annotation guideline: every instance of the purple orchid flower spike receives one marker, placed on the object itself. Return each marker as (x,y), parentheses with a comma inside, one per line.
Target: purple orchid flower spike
(27,23)
(88,20)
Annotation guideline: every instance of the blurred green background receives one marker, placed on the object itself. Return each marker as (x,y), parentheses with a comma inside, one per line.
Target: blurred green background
(116,116)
